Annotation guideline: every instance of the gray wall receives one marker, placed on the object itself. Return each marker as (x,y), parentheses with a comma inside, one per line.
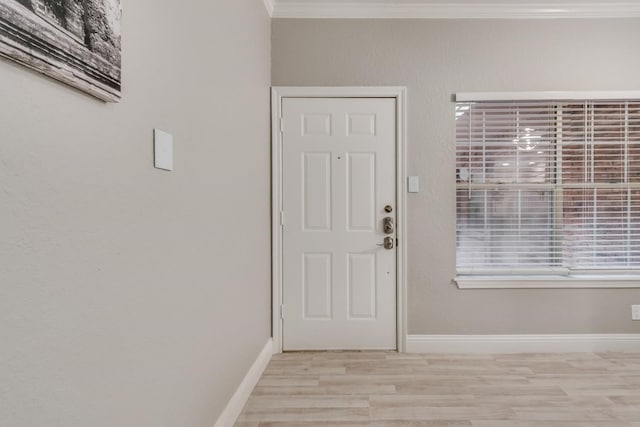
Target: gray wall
(436,59)
(130,296)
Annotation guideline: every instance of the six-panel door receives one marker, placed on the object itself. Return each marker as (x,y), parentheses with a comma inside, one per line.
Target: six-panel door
(339,283)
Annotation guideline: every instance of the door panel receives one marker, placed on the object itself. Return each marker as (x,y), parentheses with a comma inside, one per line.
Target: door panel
(339,284)
(317,286)
(362,286)
(317,191)
(361,191)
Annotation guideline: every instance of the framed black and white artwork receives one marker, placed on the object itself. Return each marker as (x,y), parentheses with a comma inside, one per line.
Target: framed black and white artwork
(74,41)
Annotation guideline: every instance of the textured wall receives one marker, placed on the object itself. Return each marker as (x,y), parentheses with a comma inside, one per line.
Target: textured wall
(436,59)
(131,296)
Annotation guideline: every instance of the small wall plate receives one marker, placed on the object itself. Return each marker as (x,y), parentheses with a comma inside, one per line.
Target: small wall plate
(163,149)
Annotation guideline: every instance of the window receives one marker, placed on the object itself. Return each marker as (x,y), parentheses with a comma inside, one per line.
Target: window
(548,188)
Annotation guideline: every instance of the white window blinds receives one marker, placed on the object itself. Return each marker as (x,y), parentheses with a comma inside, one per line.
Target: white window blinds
(548,186)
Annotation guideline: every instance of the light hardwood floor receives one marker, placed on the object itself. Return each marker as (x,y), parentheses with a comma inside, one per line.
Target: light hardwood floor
(393,389)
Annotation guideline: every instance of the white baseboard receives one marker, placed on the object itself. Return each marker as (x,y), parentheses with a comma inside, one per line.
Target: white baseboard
(562,343)
(233,409)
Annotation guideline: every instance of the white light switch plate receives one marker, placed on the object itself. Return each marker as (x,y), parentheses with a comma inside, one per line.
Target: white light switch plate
(163,149)
(635,312)
(414,184)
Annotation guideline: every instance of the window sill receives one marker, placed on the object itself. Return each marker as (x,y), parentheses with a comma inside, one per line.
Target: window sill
(547,282)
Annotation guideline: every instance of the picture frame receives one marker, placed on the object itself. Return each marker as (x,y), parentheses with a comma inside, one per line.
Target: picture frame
(76,42)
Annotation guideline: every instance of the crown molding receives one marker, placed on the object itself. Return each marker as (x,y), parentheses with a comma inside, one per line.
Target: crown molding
(455,10)
(270,6)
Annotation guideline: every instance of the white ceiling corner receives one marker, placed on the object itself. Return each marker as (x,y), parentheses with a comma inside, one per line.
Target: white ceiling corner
(270,6)
(457,9)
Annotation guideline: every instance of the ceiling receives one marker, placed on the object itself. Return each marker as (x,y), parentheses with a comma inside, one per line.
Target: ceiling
(453,9)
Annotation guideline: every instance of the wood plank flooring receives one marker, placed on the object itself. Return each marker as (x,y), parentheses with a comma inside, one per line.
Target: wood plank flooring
(392,389)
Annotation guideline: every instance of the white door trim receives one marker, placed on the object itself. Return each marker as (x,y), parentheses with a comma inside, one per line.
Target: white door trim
(277,94)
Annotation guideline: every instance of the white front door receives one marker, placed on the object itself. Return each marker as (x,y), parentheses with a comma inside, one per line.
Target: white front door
(339,181)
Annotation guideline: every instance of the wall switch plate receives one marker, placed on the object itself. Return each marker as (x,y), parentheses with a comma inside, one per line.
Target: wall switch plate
(413,184)
(635,312)
(163,149)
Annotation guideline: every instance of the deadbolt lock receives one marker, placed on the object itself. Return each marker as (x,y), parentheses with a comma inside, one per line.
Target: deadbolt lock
(388,226)
(388,209)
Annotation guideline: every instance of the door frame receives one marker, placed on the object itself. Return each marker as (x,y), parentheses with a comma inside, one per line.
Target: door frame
(277,95)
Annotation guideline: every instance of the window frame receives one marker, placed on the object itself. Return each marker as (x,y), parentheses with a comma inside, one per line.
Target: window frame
(553,278)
